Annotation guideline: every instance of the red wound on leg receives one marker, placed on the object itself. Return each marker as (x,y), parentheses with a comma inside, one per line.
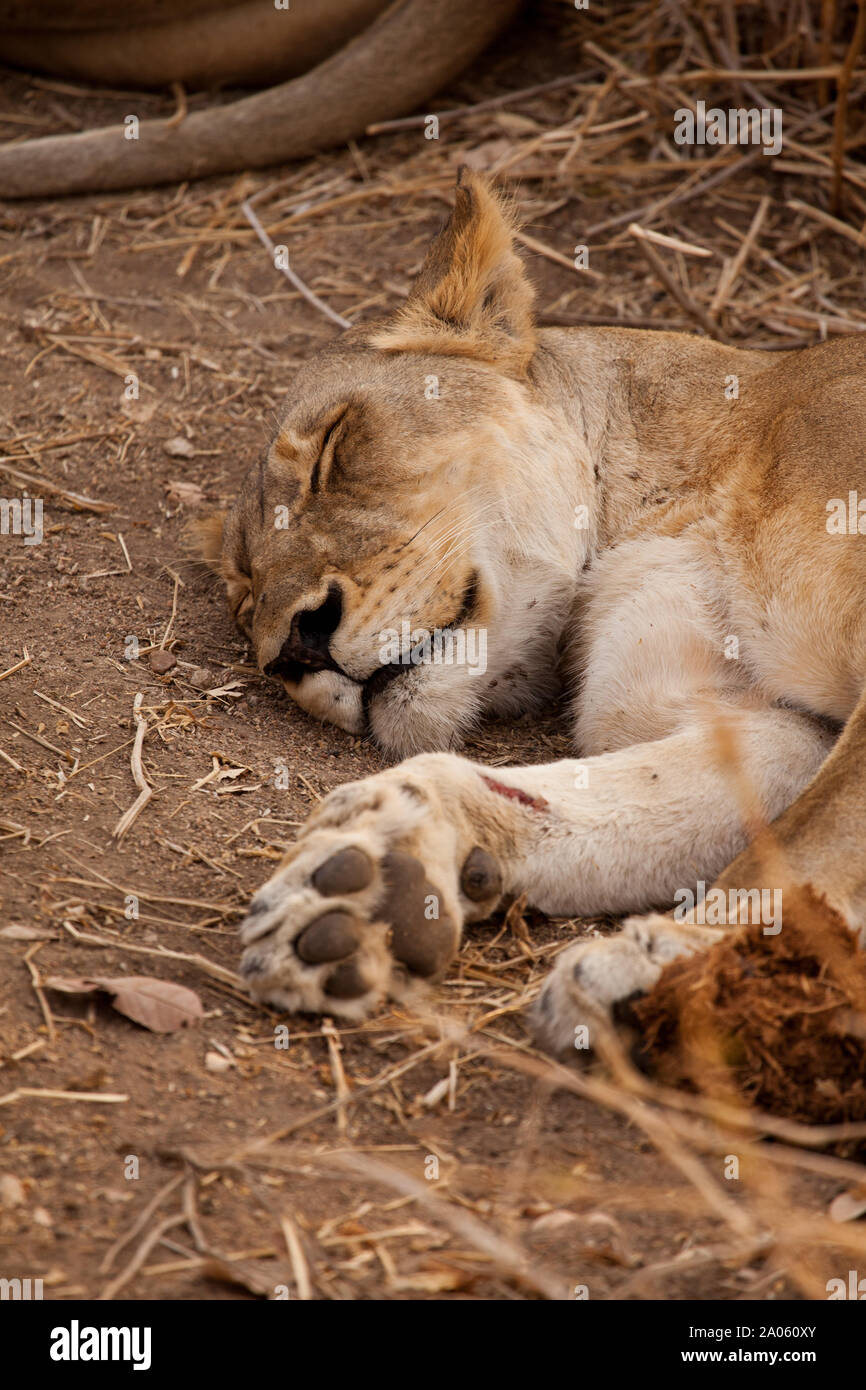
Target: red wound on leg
(537,803)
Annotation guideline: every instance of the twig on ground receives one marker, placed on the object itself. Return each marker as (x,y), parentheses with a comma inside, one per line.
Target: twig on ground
(10,671)
(290,275)
(85,504)
(145,791)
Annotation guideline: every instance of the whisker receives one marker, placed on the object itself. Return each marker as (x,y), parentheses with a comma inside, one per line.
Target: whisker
(458,546)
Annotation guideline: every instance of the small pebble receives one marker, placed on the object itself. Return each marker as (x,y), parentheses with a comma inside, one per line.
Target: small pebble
(202,678)
(12,1192)
(161,662)
(178,448)
(214,1061)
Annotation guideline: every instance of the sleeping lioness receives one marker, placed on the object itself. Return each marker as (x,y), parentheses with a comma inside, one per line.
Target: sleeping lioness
(671,526)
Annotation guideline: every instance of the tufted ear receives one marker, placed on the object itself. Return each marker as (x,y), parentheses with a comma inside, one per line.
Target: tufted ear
(471,297)
(204,536)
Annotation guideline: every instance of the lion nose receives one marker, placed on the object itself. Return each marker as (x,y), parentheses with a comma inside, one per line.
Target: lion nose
(309,638)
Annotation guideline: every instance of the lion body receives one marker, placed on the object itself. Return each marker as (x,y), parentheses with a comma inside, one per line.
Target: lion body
(670,525)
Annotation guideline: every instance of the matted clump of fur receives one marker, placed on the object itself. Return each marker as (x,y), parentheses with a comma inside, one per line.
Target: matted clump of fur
(778,1022)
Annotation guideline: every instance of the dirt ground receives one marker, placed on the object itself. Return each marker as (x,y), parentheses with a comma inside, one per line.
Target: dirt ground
(146,1163)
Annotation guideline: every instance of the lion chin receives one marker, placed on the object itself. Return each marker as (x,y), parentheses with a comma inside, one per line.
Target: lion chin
(332,698)
(421,710)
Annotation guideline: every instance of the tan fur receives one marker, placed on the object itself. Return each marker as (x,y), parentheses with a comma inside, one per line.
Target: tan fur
(603,496)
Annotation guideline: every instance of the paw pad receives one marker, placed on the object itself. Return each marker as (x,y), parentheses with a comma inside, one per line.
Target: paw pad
(480,877)
(331,937)
(423,935)
(347,871)
(346,982)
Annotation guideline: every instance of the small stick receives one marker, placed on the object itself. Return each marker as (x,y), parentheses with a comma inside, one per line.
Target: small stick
(340,1083)
(14,831)
(43,742)
(100,759)
(93,1097)
(173,613)
(190,1211)
(317,796)
(141,1254)
(673,243)
(590,114)
(209,967)
(76,718)
(296,1255)
(145,790)
(840,118)
(290,275)
(208,777)
(626,78)
(704,75)
(105,360)
(85,504)
(61,441)
(673,286)
(828,16)
(36,979)
(140,1221)
(491,104)
(541,249)
(833,223)
(17,667)
(727,281)
(140,892)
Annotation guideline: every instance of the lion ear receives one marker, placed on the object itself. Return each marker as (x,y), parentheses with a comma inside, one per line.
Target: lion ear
(204,536)
(471,297)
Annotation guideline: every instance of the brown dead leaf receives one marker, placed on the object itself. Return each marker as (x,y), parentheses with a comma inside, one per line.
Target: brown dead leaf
(241,1276)
(70,984)
(159,1005)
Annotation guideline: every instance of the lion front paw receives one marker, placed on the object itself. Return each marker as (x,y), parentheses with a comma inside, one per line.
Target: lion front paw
(373,896)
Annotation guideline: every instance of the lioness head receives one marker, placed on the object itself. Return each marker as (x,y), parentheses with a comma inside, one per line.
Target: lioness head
(403,557)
